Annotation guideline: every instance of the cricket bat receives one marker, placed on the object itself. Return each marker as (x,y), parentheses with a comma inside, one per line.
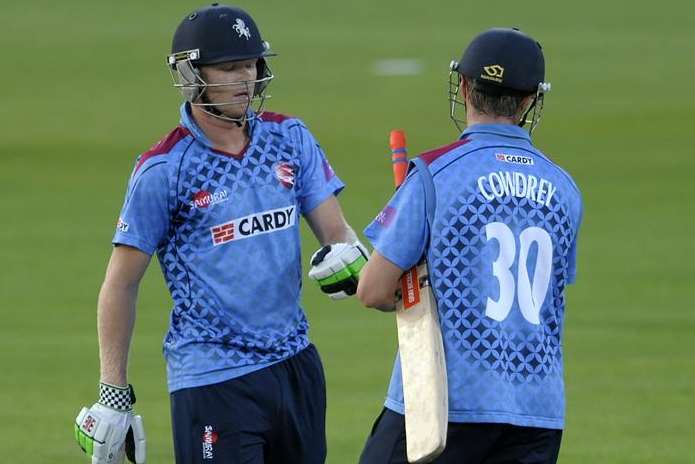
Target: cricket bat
(423,367)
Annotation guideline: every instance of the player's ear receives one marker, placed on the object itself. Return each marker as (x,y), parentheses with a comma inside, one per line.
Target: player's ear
(526,103)
(464,88)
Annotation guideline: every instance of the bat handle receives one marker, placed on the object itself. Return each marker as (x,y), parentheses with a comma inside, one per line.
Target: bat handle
(399,156)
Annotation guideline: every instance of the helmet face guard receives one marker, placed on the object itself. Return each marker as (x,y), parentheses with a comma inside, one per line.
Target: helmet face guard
(532,116)
(187,78)
(454,101)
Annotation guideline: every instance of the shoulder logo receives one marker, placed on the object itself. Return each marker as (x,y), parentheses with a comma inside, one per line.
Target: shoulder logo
(514,159)
(122,226)
(284,172)
(242,29)
(328,172)
(385,217)
(204,199)
(493,72)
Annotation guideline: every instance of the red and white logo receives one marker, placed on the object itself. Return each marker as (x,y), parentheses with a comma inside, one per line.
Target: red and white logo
(410,288)
(253,224)
(88,424)
(210,437)
(284,173)
(514,159)
(204,199)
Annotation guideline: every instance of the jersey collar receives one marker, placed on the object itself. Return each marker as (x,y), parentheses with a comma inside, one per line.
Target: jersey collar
(500,130)
(189,123)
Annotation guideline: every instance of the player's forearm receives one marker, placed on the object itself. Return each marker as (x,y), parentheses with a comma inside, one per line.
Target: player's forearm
(342,235)
(115,321)
(329,225)
(378,283)
(339,232)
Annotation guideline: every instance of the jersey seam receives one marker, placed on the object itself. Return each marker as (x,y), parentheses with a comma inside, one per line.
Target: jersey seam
(137,181)
(173,221)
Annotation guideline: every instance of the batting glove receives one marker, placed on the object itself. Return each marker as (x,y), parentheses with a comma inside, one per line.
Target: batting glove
(109,431)
(337,268)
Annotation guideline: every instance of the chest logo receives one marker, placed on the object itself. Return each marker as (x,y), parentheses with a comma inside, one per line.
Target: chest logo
(284,172)
(204,199)
(265,222)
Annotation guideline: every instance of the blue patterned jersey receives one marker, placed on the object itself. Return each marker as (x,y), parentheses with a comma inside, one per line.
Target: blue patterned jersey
(225,228)
(501,251)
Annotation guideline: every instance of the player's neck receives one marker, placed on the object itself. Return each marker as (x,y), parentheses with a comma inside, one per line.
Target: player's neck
(224,135)
(474,117)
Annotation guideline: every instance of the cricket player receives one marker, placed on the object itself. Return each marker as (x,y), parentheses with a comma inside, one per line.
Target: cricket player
(219,201)
(501,249)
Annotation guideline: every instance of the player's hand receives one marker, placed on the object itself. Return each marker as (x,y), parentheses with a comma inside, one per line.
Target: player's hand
(337,268)
(108,434)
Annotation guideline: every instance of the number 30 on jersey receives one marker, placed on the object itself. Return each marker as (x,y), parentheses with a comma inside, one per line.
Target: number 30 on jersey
(530,294)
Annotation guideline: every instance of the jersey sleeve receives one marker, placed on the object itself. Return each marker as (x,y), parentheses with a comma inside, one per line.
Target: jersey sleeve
(399,232)
(572,253)
(144,218)
(318,181)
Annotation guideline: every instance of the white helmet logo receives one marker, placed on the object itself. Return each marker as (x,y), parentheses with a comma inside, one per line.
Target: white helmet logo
(241,28)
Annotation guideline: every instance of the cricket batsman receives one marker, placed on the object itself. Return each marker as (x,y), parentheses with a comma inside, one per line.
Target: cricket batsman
(501,249)
(219,201)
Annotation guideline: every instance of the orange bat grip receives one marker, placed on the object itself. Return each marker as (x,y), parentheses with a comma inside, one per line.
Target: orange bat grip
(399,156)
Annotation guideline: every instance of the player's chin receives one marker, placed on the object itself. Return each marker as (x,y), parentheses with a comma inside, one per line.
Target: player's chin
(235,109)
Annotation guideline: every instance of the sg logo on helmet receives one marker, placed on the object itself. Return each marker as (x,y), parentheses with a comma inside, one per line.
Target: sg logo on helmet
(494,72)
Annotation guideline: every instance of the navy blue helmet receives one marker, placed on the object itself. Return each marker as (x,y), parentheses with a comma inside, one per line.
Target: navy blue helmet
(502,61)
(221,33)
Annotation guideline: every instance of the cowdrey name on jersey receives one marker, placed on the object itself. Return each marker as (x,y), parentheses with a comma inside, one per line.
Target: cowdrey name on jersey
(514,183)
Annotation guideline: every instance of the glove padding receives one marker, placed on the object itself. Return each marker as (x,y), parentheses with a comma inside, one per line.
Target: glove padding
(108,435)
(337,268)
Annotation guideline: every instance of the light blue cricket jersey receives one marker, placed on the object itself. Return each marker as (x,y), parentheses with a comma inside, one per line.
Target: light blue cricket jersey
(225,228)
(501,251)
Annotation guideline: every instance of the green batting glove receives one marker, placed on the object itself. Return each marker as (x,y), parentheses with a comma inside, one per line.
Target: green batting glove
(337,268)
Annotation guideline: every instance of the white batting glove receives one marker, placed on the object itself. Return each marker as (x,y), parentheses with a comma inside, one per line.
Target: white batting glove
(337,268)
(109,431)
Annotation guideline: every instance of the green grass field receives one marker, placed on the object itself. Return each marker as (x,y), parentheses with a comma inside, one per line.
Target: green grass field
(85,90)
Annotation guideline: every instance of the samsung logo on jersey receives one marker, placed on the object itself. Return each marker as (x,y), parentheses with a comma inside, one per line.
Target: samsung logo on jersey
(514,159)
(254,224)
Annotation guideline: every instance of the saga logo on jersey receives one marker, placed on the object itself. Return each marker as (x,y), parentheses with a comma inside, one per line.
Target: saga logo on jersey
(204,199)
(253,224)
(514,159)
(284,173)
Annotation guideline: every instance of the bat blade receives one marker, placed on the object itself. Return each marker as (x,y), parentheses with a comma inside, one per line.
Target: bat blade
(421,348)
